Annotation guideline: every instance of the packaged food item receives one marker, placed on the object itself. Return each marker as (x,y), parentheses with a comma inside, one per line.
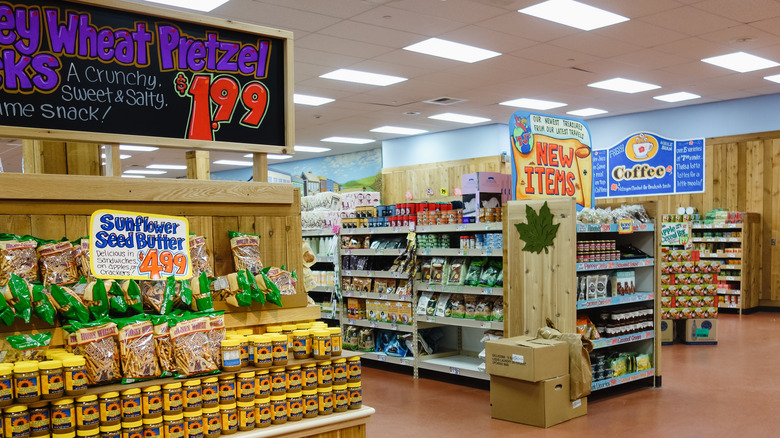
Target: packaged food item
(163,346)
(75,370)
(498,309)
(380,286)
(27,386)
(97,342)
(425,271)
(199,255)
(137,348)
(132,293)
(285,281)
(201,293)
(489,274)
(246,252)
(95,297)
(457,271)
(191,345)
(366,340)
(437,270)
(82,255)
(216,333)
(443,305)
(68,304)
(457,306)
(602,282)
(474,272)
(27,347)
(591,293)
(57,262)
(18,256)
(483,309)
(19,297)
(471,306)
(158,295)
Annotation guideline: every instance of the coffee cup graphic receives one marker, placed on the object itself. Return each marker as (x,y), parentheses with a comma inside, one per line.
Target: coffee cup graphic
(642,150)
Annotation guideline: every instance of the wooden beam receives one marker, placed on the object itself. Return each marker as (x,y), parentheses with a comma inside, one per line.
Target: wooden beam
(260,167)
(31,156)
(198,165)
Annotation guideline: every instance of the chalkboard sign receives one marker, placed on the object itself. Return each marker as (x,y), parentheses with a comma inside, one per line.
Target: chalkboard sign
(76,67)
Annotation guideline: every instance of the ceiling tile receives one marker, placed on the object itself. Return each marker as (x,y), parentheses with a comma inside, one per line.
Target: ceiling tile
(694,48)
(650,59)
(318,57)
(771,25)
(554,55)
(367,33)
(463,11)
(689,20)
(742,38)
(744,11)
(640,33)
(487,39)
(277,17)
(329,44)
(331,8)
(595,45)
(634,9)
(400,19)
(531,28)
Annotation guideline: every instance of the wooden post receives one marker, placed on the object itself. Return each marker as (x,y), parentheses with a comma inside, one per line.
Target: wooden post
(83,158)
(198,166)
(113,165)
(260,167)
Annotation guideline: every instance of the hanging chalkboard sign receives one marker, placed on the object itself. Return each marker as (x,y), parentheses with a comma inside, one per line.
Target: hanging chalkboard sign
(80,71)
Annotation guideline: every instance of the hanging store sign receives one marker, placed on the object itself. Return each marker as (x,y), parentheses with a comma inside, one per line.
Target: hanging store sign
(551,158)
(646,164)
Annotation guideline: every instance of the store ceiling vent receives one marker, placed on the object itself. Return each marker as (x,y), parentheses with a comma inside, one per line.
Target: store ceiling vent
(444,101)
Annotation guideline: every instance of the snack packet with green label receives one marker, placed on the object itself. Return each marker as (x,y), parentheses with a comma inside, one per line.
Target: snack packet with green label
(28,346)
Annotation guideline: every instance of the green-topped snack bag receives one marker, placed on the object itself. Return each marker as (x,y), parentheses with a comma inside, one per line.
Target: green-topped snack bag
(69,304)
(158,295)
(163,346)
(136,348)
(116,299)
(189,335)
(201,293)
(97,342)
(42,305)
(132,294)
(18,256)
(272,293)
(19,295)
(29,346)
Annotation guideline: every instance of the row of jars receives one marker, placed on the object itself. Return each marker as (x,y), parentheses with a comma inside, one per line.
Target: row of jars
(30,381)
(56,419)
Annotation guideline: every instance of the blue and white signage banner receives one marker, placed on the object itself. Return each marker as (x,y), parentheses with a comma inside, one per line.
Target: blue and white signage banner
(646,164)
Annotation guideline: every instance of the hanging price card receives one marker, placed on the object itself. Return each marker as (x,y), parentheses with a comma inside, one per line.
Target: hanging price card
(138,246)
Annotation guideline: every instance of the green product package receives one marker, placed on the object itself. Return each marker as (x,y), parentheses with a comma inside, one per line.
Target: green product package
(132,294)
(19,292)
(244,295)
(490,273)
(42,306)
(30,346)
(70,305)
(274,295)
(201,297)
(185,294)
(7,314)
(116,299)
(474,271)
(95,294)
(137,349)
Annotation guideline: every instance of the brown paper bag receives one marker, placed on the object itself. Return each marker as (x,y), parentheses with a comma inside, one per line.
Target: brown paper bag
(579,360)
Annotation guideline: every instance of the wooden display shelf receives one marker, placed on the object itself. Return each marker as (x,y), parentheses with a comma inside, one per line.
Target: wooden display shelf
(349,424)
(257,315)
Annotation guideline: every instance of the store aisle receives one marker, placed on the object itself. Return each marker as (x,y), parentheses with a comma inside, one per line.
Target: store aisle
(728,390)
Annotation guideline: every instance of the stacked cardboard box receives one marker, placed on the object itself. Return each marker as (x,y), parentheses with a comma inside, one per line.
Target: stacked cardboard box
(484,190)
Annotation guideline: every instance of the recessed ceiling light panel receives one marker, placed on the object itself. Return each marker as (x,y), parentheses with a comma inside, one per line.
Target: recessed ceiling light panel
(624,85)
(574,14)
(278,157)
(399,130)
(362,77)
(586,112)
(304,99)
(533,104)
(741,62)
(314,149)
(167,166)
(451,50)
(677,97)
(144,172)
(129,147)
(234,163)
(459,118)
(773,78)
(348,140)
(195,5)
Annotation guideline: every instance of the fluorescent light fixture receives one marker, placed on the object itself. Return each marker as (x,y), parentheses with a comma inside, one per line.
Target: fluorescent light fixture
(399,130)
(128,147)
(677,97)
(311,100)
(741,62)
(124,156)
(348,140)
(278,156)
(773,78)
(144,172)
(451,50)
(196,5)
(233,162)
(167,166)
(103,156)
(459,118)
(362,77)
(624,85)
(585,112)
(533,104)
(315,149)
(102,164)
(574,14)
(133,176)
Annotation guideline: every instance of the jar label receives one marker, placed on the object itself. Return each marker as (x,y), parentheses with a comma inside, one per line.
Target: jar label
(152,404)
(355,396)
(6,389)
(227,391)
(279,352)
(229,420)
(194,428)
(110,411)
(326,402)
(135,434)
(263,414)
(153,431)
(174,431)
(172,401)
(210,395)
(213,425)
(310,377)
(52,383)
(263,385)
(194,398)
(75,380)
(335,344)
(340,373)
(294,380)
(27,387)
(279,411)
(246,418)
(61,418)
(310,405)
(15,427)
(341,401)
(279,383)
(131,408)
(324,375)
(87,416)
(354,370)
(263,355)
(300,345)
(295,408)
(39,421)
(231,358)
(110,435)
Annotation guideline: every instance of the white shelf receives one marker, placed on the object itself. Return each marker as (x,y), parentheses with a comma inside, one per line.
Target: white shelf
(613,228)
(457,364)
(461,322)
(318,233)
(716,239)
(716,226)
(452,228)
(444,252)
(375,274)
(326,259)
(453,289)
(614,301)
(729,292)
(326,315)
(382,357)
(374,230)
(372,252)
(324,289)
(729,278)
(614,264)
(615,381)
(377,296)
(379,325)
(625,339)
(704,255)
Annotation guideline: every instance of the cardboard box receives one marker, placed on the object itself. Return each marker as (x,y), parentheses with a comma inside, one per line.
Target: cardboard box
(541,404)
(526,358)
(404,312)
(474,201)
(668,331)
(472,183)
(356,308)
(701,331)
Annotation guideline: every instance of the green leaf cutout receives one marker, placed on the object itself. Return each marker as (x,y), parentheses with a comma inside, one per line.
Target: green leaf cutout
(539,232)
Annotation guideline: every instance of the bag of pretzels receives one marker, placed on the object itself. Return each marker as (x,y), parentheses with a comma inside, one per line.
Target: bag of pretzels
(137,348)
(97,342)
(191,351)
(18,256)
(57,262)
(163,346)
(246,252)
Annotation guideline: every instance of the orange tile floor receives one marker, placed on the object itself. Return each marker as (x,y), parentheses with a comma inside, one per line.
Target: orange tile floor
(728,390)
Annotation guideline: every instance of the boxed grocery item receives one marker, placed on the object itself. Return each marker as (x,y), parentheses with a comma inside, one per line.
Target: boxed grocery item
(668,332)
(542,404)
(404,312)
(527,358)
(623,283)
(356,308)
(701,331)
(371,310)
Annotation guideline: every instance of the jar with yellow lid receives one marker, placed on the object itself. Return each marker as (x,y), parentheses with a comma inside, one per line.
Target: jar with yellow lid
(75,370)
(278,381)
(52,379)
(6,384)
(339,371)
(243,348)
(355,395)
(133,429)
(227,389)
(130,399)
(173,400)
(273,329)
(193,395)
(246,415)
(294,406)
(27,382)
(63,416)
(309,373)
(212,422)
(340,398)
(54,351)
(16,422)
(303,325)
(245,387)
(294,378)
(353,369)
(245,332)
(324,373)
(262,383)
(301,344)
(193,424)
(153,427)
(287,330)
(88,433)
(250,346)
(87,412)
(279,350)
(263,412)
(263,348)
(210,392)
(64,435)
(231,355)
(114,431)
(335,341)
(110,409)
(278,409)
(325,400)
(173,426)
(310,406)
(229,417)
(320,344)
(40,419)
(151,402)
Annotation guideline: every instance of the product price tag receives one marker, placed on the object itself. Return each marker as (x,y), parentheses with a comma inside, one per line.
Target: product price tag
(454,370)
(487,291)
(381,357)
(460,227)
(373,324)
(394,326)
(380,252)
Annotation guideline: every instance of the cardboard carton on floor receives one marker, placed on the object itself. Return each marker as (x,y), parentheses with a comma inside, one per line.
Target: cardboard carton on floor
(701,331)
(541,404)
(527,358)
(668,331)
